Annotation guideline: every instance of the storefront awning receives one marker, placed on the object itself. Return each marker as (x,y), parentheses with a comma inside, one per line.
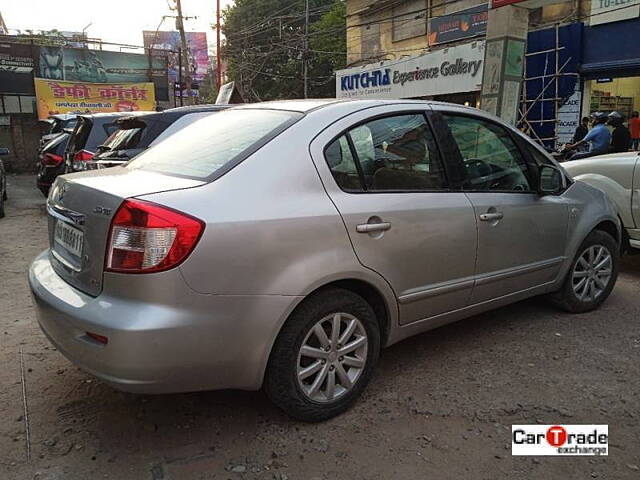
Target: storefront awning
(612,49)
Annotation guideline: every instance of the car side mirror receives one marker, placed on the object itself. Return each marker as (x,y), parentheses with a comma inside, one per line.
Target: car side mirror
(550,180)
(4,151)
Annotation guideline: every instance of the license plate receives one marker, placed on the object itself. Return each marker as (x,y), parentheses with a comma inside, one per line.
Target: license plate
(70,238)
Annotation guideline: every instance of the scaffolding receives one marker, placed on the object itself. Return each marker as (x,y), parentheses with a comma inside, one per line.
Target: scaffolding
(548,80)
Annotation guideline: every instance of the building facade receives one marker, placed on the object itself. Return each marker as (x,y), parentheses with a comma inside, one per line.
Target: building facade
(581,56)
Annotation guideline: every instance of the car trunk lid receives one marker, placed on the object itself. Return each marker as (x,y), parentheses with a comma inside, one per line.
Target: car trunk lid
(80,208)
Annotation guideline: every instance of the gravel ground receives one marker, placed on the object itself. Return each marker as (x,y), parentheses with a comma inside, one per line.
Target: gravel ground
(440,406)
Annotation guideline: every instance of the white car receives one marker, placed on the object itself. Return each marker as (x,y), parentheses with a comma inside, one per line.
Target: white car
(618,175)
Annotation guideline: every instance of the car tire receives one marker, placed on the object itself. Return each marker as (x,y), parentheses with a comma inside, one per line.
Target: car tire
(314,397)
(592,274)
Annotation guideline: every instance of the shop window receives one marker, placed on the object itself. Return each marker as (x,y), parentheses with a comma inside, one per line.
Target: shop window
(615,94)
(26,104)
(11,104)
(409,20)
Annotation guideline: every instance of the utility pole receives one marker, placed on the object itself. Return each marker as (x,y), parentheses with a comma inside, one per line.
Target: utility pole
(218,50)
(185,50)
(180,76)
(306,48)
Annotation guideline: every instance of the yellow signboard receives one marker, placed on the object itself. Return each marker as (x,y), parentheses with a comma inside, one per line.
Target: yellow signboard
(55,96)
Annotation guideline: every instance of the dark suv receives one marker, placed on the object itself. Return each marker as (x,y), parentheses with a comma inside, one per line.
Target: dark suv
(90,132)
(58,124)
(135,134)
(51,162)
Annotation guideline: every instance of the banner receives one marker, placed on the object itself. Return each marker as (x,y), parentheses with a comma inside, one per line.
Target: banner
(16,68)
(448,70)
(502,3)
(102,66)
(170,41)
(457,26)
(56,96)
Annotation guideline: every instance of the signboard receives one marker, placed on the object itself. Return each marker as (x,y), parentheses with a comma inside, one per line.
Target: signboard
(464,24)
(57,96)
(101,66)
(198,52)
(569,118)
(607,11)
(449,70)
(16,68)
(502,3)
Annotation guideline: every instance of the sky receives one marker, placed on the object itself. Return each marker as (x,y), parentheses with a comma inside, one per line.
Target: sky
(119,21)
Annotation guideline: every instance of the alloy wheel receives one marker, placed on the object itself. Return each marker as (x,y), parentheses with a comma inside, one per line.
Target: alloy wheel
(332,357)
(592,273)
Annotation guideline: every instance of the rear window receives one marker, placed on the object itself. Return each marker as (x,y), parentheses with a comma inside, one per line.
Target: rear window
(179,124)
(215,143)
(99,133)
(124,139)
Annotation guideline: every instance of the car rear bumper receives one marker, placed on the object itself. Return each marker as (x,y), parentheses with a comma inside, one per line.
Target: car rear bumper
(171,342)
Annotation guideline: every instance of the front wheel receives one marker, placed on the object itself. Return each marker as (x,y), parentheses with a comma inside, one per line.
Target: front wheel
(592,275)
(324,356)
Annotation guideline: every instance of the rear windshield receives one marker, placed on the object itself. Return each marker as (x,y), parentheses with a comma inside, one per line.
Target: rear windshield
(59,125)
(212,143)
(100,130)
(124,139)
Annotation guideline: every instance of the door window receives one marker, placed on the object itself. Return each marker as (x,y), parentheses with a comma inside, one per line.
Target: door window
(342,165)
(492,160)
(394,154)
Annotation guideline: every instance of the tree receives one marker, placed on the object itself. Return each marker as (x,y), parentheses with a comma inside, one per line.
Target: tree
(264,47)
(328,42)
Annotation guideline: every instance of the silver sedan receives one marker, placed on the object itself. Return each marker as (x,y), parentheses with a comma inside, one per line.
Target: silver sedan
(282,245)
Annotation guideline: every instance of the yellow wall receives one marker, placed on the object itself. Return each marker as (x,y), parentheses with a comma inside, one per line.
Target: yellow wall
(359,12)
(379,13)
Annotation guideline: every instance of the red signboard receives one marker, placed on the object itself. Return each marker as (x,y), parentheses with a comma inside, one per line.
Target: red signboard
(502,3)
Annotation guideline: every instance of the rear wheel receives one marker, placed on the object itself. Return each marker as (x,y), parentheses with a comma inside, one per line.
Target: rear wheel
(324,356)
(592,275)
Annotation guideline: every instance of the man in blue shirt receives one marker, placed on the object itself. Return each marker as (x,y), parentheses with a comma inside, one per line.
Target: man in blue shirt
(599,138)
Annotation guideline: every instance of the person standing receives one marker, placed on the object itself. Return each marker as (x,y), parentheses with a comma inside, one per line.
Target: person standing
(598,138)
(634,127)
(620,138)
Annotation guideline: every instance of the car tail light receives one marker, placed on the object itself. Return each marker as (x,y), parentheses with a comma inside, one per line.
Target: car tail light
(51,159)
(146,237)
(81,158)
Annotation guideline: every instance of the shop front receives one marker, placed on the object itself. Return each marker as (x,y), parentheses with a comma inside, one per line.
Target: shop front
(611,68)
(451,74)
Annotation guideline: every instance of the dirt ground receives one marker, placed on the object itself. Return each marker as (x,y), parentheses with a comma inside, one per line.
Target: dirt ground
(440,406)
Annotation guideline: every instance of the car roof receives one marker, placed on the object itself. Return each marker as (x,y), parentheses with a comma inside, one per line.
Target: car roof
(309,105)
(63,116)
(172,114)
(112,114)
(208,107)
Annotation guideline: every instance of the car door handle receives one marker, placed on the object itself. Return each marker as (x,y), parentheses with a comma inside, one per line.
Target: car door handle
(491,217)
(373,227)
